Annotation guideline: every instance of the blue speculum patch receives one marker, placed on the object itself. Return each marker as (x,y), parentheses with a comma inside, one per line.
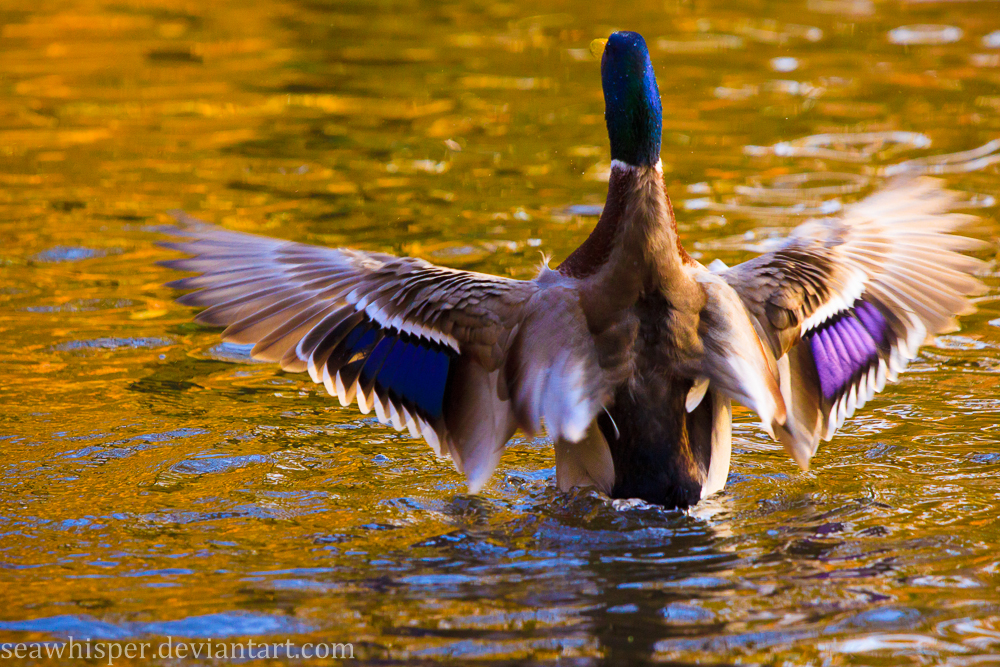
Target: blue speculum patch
(846,346)
(409,370)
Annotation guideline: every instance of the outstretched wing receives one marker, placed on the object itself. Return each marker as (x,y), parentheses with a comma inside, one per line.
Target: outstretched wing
(460,358)
(844,303)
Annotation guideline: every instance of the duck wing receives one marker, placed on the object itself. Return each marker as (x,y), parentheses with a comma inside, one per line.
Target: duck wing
(844,303)
(460,358)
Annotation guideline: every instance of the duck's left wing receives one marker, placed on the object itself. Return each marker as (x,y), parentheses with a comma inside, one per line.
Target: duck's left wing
(460,358)
(844,303)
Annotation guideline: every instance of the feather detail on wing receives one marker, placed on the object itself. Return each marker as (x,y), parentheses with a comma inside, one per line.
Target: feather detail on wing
(459,358)
(844,303)
(735,361)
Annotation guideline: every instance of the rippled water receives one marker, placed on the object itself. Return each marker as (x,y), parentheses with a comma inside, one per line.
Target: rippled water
(155,482)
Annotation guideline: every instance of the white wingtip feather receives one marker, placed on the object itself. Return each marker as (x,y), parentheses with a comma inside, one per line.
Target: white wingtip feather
(379,409)
(314,373)
(363,403)
(411,424)
(430,435)
(341,390)
(696,394)
(397,423)
(328,382)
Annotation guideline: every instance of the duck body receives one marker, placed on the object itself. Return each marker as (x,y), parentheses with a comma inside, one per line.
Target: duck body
(630,352)
(633,278)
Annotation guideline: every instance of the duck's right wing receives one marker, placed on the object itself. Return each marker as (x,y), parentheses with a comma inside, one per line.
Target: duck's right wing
(460,358)
(845,302)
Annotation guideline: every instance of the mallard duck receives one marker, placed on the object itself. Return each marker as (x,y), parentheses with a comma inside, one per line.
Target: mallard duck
(630,351)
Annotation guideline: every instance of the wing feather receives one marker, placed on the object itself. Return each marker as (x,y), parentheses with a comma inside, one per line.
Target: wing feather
(461,359)
(844,303)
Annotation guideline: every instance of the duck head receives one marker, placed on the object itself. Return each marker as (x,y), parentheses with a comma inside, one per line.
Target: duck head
(632,100)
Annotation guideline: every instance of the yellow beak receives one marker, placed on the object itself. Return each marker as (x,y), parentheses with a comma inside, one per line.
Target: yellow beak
(597,47)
